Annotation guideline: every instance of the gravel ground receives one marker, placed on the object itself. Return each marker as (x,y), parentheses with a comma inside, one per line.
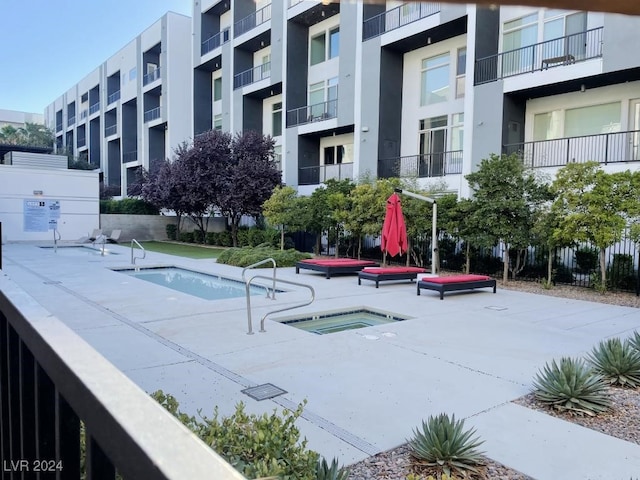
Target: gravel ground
(623,421)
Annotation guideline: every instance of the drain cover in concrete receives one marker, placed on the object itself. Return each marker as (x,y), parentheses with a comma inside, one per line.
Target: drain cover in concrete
(53,282)
(496,307)
(263,392)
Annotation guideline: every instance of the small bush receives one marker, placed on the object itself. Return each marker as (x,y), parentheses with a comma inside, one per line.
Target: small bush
(444,443)
(620,274)
(186,237)
(587,259)
(224,239)
(243,257)
(172,231)
(128,206)
(571,385)
(255,445)
(198,236)
(617,362)
(324,471)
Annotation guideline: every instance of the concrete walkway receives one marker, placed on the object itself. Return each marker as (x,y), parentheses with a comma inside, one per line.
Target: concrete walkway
(469,355)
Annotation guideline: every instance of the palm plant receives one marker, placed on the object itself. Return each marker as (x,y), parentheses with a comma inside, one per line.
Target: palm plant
(617,362)
(324,471)
(571,385)
(444,443)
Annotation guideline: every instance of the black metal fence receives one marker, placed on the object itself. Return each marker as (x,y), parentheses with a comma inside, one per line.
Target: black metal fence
(426,165)
(51,381)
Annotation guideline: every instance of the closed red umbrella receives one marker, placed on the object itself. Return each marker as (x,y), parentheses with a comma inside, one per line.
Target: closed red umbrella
(394,230)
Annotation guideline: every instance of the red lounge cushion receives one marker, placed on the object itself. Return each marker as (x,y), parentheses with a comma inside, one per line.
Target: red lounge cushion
(338,262)
(456,279)
(392,270)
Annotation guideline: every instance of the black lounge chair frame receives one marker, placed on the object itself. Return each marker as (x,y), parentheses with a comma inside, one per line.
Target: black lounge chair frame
(457,286)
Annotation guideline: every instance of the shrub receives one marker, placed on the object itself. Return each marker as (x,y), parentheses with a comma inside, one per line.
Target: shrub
(255,445)
(243,236)
(186,237)
(129,206)
(255,237)
(587,259)
(198,236)
(571,385)
(172,231)
(224,239)
(635,341)
(620,274)
(243,257)
(444,443)
(617,362)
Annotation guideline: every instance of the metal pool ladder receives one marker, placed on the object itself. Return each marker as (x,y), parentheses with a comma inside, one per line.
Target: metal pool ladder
(144,252)
(248,285)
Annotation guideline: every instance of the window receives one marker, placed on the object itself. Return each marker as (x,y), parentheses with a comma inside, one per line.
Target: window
(461,69)
(133,73)
(317,49)
(433,144)
(277,156)
(338,154)
(217,89)
(217,122)
(457,132)
(576,122)
(276,119)
(547,126)
(334,42)
(517,34)
(435,80)
(564,34)
(323,98)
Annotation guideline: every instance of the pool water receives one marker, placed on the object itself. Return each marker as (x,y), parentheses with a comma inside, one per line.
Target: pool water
(209,287)
(324,323)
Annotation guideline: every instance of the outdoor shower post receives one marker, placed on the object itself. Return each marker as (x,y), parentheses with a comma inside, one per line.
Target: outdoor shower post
(434,238)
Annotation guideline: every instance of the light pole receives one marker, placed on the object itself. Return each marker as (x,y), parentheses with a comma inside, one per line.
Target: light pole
(434,238)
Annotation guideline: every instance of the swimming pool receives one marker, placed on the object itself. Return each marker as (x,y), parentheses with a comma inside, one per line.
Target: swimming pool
(78,251)
(203,285)
(332,322)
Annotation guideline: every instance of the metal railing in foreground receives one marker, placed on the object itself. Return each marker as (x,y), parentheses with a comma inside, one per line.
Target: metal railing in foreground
(134,258)
(51,380)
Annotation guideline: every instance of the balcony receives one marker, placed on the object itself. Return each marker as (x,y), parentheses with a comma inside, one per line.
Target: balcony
(59,127)
(152,114)
(422,166)
(321,173)
(397,17)
(82,142)
(94,108)
(618,147)
(52,382)
(252,20)
(558,52)
(83,114)
(313,113)
(71,120)
(252,75)
(110,130)
(131,156)
(215,41)
(114,97)
(150,77)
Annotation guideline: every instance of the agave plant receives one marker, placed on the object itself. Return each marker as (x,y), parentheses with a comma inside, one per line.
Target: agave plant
(443,442)
(617,362)
(635,341)
(571,385)
(325,471)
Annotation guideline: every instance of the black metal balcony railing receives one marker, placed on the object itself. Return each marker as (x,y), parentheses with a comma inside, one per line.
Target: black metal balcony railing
(82,142)
(426,165)
(398,17)
(252,20)
(114,97)
(252,75)
(71,120)
(131,156)
(110,130)
(603,148)
(568,50)
(321,173)
(152,114)
(312,113)
(150,77)
(215,41)
(83,114)
(51,380)
(94,108)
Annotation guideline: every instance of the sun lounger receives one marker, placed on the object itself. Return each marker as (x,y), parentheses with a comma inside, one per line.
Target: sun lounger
(91,238)
(331,266)
(381,274)
(455,283)
(115,236)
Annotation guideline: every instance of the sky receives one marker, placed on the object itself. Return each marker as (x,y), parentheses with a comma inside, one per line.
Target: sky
(47,46)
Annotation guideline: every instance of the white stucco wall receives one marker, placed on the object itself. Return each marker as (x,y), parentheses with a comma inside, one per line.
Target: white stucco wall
(77,191)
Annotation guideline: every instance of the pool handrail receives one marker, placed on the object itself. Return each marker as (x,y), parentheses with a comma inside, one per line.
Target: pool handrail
(100,239)
(247,286)
(262,262)
(144,252)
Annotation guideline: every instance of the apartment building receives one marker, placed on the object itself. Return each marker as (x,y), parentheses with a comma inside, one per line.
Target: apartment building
(418,89)
(351,89)
(134,108)
(18,119)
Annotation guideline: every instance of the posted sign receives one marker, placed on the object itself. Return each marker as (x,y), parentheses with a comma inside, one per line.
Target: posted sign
(41,215)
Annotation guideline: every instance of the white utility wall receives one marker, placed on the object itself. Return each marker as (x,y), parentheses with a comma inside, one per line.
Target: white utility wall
(77,191)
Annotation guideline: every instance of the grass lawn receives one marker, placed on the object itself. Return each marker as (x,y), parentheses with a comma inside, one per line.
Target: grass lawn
(182,250)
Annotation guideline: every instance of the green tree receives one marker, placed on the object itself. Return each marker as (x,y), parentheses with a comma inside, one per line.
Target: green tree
(592,206)
(280,210)
(31,134)
(506,196)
